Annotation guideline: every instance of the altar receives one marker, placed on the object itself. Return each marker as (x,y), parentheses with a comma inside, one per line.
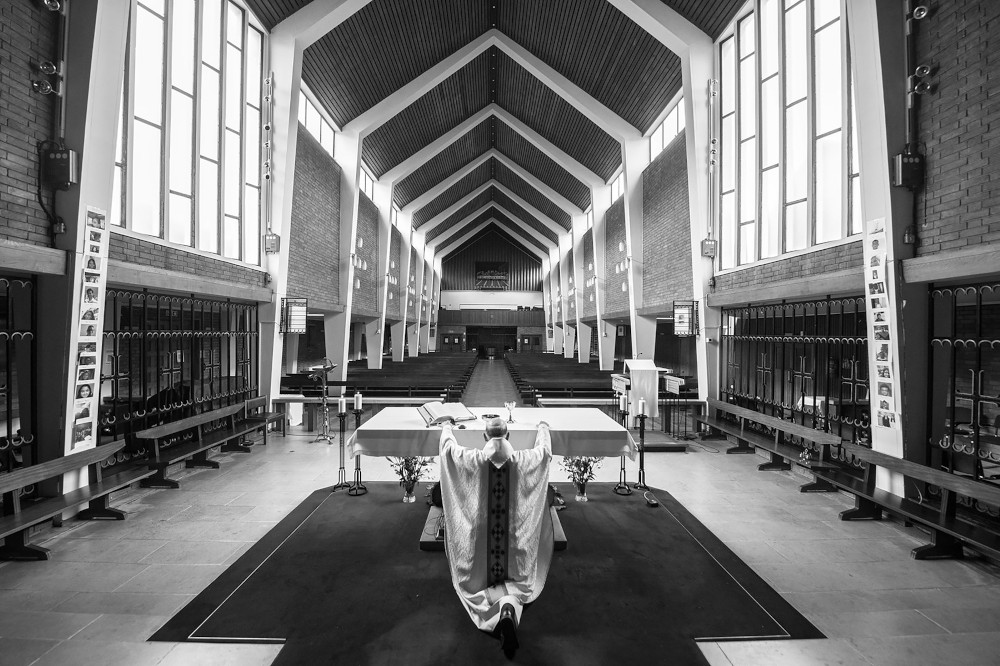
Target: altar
(575,431)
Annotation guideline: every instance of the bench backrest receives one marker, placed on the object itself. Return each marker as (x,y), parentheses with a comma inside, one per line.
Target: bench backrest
(253,404)
(26,476)
(166,429)
(788,427)
(968,487)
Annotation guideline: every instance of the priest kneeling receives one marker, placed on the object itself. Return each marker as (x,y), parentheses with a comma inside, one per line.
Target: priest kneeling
(498,529)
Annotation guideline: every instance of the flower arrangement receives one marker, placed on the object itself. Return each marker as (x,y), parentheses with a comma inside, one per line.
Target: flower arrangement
(581,468)
(409,469)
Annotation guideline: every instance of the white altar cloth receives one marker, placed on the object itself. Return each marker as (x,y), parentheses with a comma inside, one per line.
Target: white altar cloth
(576,431)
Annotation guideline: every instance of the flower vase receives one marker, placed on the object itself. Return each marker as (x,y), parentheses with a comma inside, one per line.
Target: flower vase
(408,497)
(581,491)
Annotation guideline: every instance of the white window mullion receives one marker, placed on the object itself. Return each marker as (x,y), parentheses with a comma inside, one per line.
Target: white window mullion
(811,126)
(168,33)
(845,125)
(129,119)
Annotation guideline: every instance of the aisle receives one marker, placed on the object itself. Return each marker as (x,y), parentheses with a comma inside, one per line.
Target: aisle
(490,385)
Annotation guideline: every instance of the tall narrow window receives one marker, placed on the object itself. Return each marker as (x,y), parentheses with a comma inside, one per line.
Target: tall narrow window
(188,162)
(788,178)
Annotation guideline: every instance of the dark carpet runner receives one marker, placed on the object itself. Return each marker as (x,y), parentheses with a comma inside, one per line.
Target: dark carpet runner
(342,581)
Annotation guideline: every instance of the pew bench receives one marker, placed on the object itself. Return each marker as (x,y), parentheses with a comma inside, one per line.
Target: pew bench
(719,418)
(188,440)
(23,515)
(948,532)
(256,412)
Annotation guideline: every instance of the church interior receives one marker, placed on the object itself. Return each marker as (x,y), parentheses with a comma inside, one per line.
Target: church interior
(726,273)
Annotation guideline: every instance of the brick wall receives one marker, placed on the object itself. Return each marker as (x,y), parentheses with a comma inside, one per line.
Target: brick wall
(666,228)
(589,308)
(614,234)
(395,254)
(27,35)
(959,126)
(314,246)
(146,253)
(827,260)
(365,297)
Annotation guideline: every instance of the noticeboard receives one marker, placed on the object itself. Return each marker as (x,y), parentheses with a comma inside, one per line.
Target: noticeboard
(685,318)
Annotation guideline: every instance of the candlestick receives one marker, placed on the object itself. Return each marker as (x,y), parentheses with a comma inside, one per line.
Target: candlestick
(342,405)
(357,401)
(642,405)
(621,402)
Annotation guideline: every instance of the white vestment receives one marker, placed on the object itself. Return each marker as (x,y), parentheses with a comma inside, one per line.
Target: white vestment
(527,544)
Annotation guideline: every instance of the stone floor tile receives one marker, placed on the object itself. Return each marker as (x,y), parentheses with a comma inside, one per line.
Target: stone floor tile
(212,654)
(24,651)
(105,653)
(124,603)
(876,623)
(43,624)
(830,652)
(965,649)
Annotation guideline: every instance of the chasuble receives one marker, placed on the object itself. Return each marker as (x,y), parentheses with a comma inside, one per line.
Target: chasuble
(498,529)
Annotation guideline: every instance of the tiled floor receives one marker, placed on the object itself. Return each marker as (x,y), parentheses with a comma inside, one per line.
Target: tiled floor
(109,585)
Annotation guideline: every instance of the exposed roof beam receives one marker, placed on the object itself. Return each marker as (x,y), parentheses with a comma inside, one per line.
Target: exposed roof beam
(580,172)
(460,239)
(666,25)
(546,221)
(452,209)
(384,110)
(315,19)
(603,117)
(443,236)
(417,159)
(546,191)
(443,185)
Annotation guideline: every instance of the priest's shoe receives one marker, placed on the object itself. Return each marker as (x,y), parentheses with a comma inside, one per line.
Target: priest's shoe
(507,629)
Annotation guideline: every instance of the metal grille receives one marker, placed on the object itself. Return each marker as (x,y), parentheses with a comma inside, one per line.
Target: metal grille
(168,357)
(804,362)
(17,373)
(964,413)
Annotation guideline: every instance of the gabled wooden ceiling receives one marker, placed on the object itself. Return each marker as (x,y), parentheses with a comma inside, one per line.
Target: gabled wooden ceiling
(388,43)
(495,200)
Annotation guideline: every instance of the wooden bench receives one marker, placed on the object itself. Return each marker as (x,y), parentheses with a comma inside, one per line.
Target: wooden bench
(24,515)
(256,411)
(782,453)
(949,533)
(189,440)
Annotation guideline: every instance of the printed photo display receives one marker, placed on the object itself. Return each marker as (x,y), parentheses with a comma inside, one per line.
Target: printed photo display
(882,324)
(86,386)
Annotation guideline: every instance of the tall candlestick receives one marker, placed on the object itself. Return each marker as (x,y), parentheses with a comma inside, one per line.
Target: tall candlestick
(342,405)
(642,405)
(357,401)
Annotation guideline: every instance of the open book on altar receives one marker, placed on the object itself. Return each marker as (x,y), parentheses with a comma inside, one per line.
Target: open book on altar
(436,412)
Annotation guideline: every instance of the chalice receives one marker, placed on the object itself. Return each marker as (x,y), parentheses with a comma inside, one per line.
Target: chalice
(510,410)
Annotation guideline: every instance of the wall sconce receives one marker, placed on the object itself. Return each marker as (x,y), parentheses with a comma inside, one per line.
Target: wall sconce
(624,286)
(52,5)
(43,87)
(921,12)
(272,243)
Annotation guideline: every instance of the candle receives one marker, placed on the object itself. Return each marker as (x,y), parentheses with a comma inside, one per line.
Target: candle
(357,401)
(342,405)
(642,405)
(621,402)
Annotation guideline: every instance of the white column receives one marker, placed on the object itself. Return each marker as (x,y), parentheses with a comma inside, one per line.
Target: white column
(601,197)
(347,153)
(292,352)
(878,61)
(635,159)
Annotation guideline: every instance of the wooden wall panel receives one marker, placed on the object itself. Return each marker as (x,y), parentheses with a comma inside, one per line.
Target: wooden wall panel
(459,269)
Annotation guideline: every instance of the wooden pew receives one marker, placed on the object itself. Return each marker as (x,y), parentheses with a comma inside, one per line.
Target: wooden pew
(783,455)
(948,532)
(256,412)
(14,527)
(190,439)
